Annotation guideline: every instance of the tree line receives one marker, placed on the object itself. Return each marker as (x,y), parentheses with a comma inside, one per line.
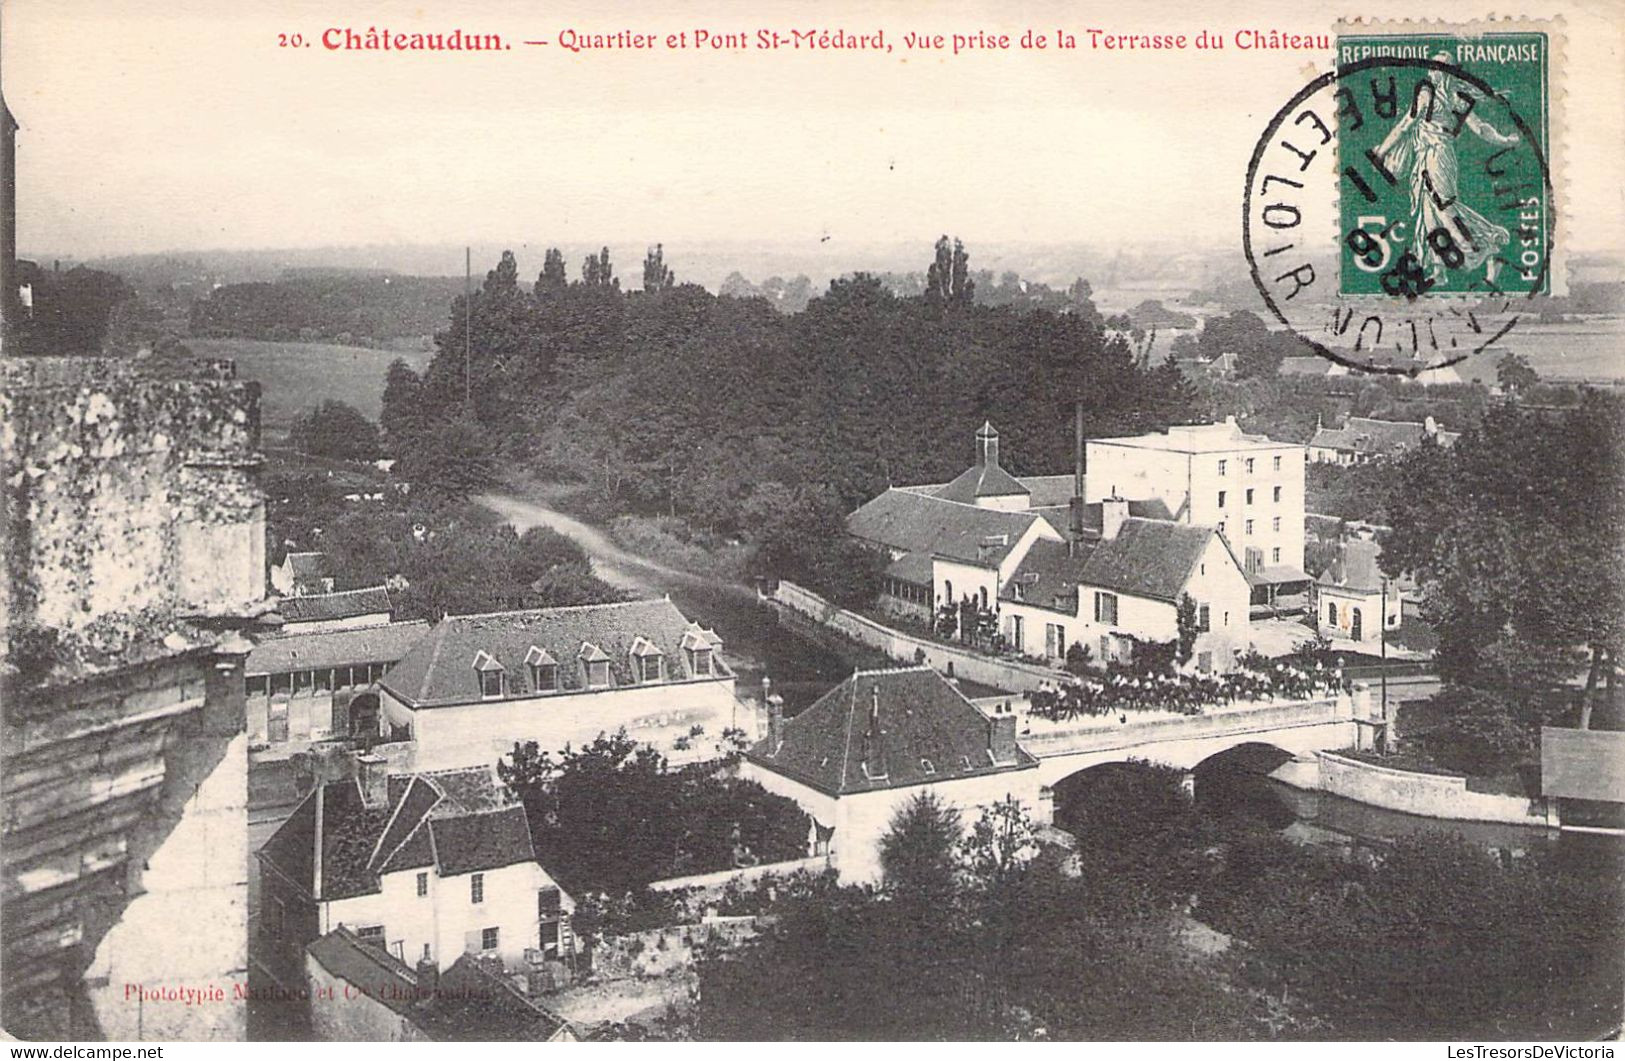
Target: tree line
(728,413)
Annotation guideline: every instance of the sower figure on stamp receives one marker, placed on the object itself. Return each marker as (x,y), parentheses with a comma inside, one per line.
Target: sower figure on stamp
(1421,150)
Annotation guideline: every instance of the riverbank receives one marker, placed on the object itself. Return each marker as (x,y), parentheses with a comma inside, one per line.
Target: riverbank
(1439,796)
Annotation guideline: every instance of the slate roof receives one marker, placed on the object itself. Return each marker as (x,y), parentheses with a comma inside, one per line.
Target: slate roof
(472,1003)
(913,568)
(912,522)
(1355,568)
(384,643)
(919,717)
(981,480)
(1148,558)
(324,607)
(308,565)
(1049,576)
(455,821)
(1048,490)
(438,670)
(1387,438)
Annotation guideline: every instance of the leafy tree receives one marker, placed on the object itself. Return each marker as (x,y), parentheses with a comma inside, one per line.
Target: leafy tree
(403,395)
(596,271)
(1514,373)
(1000,846)
(1079,659)
(452,458)
(657,276)
(917,852)
(336,430)
(948,281)
(1186,618)
(552,279)
(1467,522)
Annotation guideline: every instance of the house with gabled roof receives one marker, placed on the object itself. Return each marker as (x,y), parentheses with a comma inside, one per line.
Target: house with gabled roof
(867,747)
(1352,599)
(426,866)
(1364,439)
(323,685)
(386,1000)
(955,541)
(475,684)
(1123,587)
(302,573)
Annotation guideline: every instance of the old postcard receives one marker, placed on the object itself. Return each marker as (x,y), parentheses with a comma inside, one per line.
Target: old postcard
(787,521)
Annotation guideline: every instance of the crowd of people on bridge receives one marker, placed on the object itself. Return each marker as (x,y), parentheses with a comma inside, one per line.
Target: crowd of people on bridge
(1120,690)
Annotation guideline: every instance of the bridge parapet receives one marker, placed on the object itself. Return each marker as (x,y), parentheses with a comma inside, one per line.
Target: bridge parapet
(1047,739)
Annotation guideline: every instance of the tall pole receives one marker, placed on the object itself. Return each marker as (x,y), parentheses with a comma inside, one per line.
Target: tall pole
(1382,625)
(468,331)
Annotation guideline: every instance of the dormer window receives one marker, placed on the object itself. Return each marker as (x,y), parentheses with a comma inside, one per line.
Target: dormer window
(544,670)
(928,766)
(699,647)
(647,660)
(490,675)
(594,666)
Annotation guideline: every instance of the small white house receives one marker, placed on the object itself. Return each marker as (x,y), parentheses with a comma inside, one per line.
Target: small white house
(427,867)
(1351,600)
(870,745)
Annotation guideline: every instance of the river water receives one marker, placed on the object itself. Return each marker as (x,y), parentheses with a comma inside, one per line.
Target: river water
(757,644)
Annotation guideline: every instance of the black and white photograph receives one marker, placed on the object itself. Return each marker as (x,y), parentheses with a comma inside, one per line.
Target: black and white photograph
(961,521)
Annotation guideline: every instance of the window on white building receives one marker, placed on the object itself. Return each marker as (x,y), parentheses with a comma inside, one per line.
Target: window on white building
(423,884)
(490,675)
(1277,467)
(488,939)
(1221,498)
(1249,526)
(1275,524)
(1106,608)
(476,888)
(370,934)
(1204,618)
(1249,495)
(1222,465)
(1275,555)
(1249,466)
(1277,494)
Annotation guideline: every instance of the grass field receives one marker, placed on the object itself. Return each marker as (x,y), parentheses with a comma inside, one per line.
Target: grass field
(297,377)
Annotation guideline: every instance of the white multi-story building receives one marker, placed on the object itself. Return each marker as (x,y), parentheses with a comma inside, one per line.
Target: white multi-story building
(471,687)
(1249,487)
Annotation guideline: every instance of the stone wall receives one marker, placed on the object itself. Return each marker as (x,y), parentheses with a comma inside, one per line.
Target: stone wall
(1427,795)
(127,490)
(132,531)
(1011,675)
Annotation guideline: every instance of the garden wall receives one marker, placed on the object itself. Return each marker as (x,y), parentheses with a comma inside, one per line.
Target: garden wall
(1011,675)
(1427,795)
(716,882)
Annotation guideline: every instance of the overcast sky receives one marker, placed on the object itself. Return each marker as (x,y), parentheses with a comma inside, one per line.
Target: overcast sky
(171,126)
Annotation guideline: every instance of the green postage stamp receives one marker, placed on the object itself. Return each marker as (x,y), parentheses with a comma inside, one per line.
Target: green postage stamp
(1443,188)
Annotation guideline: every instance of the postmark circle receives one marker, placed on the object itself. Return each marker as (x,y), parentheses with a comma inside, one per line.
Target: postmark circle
(1398,215)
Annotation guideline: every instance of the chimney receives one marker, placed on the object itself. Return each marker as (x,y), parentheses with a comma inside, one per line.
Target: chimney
(1080,470)
(1001,735)
(987,445)
(428,978)
(1113,511)
(775,723)
(372,773)
(874,758)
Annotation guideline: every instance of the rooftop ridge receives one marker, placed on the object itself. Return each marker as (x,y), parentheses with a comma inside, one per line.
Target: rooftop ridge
(906,668)
(951,501)
(345,592)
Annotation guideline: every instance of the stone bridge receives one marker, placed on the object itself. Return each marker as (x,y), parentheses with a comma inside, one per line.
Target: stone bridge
(1183,741)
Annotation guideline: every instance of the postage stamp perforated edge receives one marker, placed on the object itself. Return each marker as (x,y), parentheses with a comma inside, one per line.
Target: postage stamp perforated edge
(1555,30)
